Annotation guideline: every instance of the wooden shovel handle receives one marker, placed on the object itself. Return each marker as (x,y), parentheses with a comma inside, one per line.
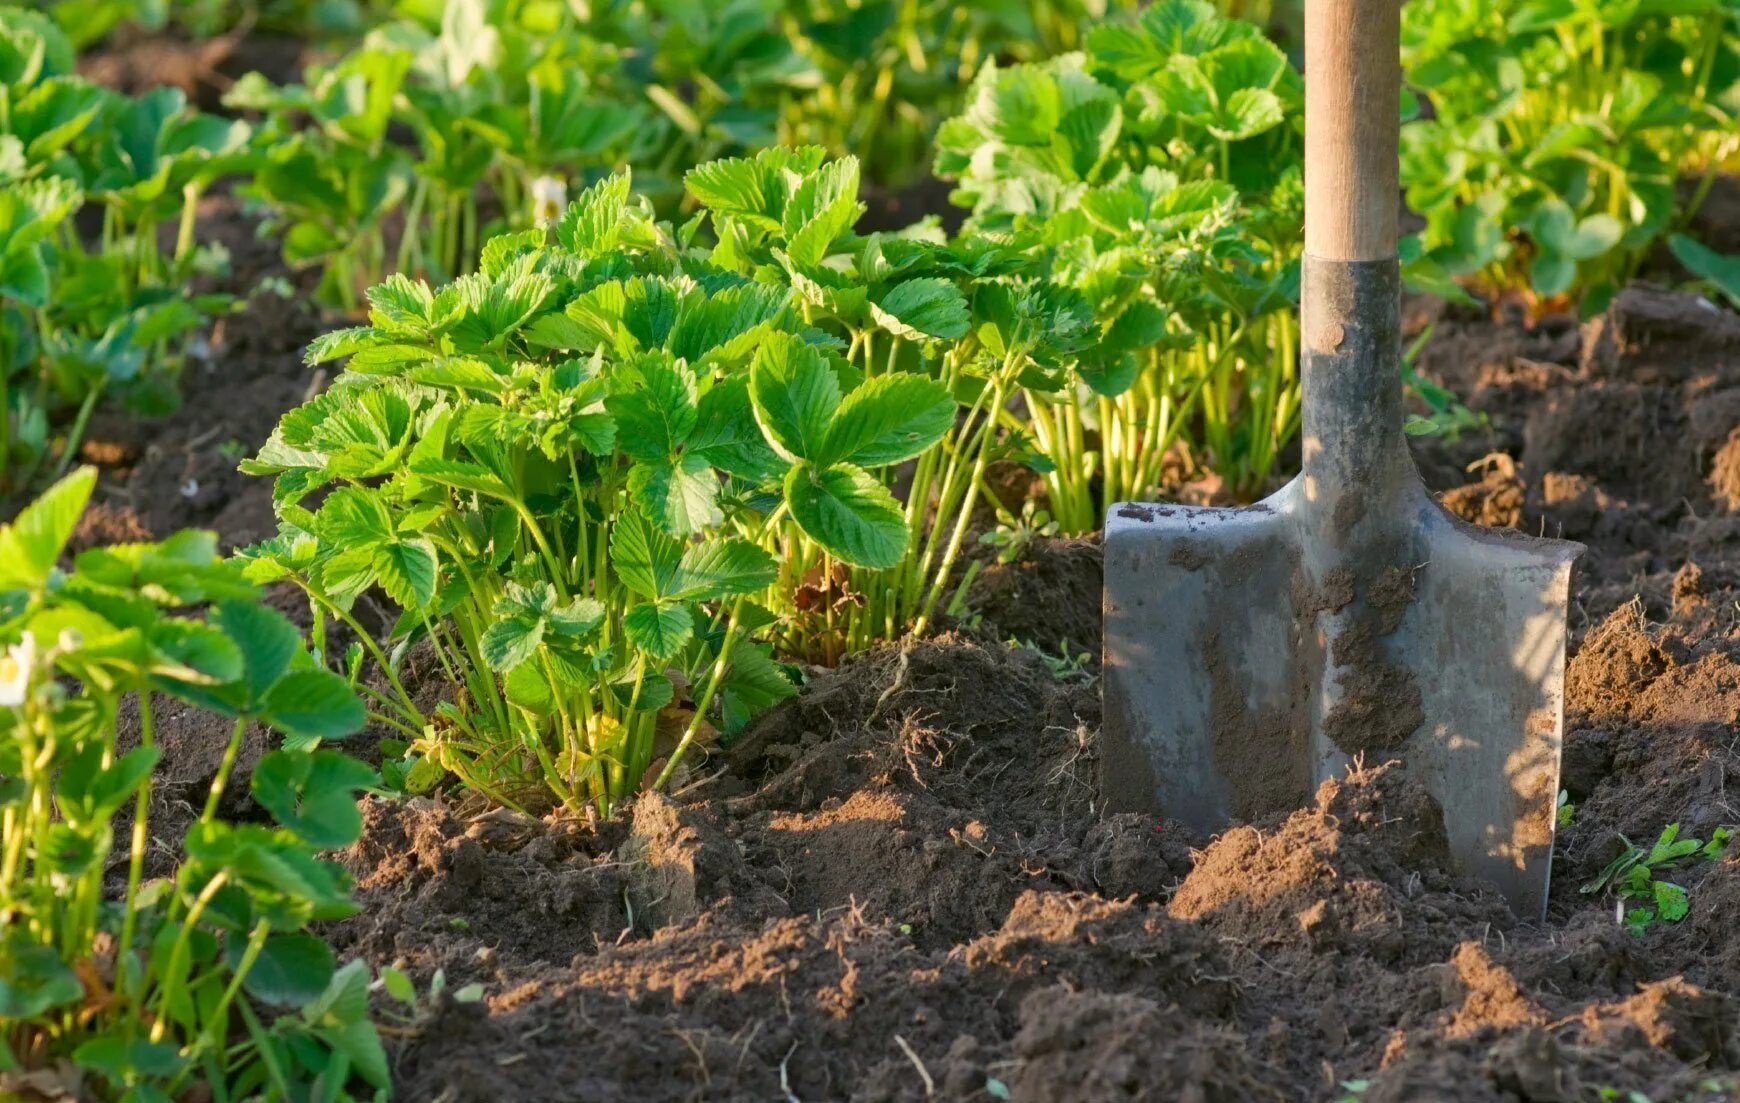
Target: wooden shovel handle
(1353,76)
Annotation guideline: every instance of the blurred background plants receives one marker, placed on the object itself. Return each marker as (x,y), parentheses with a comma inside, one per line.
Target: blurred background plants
(1157,177)
(1563,139)
(109,315)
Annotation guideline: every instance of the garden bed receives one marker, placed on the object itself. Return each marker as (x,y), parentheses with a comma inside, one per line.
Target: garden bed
(898,886)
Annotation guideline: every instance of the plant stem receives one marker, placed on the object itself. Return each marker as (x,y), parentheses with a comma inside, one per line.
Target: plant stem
(221,779)
(720,665)
(135,855)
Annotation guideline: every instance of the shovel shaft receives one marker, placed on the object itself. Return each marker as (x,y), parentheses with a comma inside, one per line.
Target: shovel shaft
(1355,456)
(1353,79)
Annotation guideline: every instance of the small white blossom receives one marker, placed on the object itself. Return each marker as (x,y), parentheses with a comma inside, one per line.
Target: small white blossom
(15,669)
(549,197)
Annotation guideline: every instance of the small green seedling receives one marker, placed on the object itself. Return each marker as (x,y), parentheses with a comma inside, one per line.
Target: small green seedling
(403,991)
(1014,535)
(1632,875)
(1566,810)
(1446,416)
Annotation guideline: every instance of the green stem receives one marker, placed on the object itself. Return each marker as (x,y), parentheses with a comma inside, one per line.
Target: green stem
(221,780)
(135,855)
(720,665)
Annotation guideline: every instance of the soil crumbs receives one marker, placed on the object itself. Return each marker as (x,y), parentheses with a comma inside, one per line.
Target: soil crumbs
(898,885)
(897,888)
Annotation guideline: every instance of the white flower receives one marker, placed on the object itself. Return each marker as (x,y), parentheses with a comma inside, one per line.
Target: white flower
(15,668)
(549,197)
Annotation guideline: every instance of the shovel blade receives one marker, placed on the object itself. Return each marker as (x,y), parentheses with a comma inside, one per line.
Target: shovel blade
(1246,661)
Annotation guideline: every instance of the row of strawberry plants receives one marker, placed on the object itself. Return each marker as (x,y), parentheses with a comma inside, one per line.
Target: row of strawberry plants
(1155,173)
(1566,140)
(1545,161)
(107,314)
(119,979)
(597,475)
(512,105)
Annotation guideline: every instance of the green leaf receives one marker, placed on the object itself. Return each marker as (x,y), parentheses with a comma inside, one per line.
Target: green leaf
(313,794)
(1551,274)
(91,793)
(398,986)
(407,570)
(195,653)
(267,640)
(824,206)
(889,419)
(33,979)
(1671,901)
(122,1061)
(314,704)
(920,308)
(461,476)
(727,435)
(30,545)
(753,682)
(653,421)
(795,395)
(737,187)
(848,512)
(352,517)
(645,559)
(1247,113)
(723,568)
(522,618)
(291,970)
(660,629)
(682,495)
(1707,264)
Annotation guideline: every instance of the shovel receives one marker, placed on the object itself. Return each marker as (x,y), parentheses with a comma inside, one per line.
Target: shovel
(1252,653)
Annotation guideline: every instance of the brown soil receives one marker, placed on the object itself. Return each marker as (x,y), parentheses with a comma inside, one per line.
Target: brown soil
(135,62)
(1049,597)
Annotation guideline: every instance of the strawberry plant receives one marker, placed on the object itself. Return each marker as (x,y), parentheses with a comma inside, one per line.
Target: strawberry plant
(329,185)
(1156,178)
(887,72)
(206,980)
(594,474)
(498,102)
(1559,130)
(1634,876)
(949,332)
(108,319)
(542,464)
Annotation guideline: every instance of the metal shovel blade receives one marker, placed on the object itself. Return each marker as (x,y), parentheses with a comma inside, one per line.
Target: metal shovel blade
(1251,653)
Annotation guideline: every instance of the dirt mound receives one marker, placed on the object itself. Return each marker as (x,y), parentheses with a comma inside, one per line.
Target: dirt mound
(1090,1045)
(1649,741)
(1366,871)
(442,889)
(1620,435)
(1049,598)
(897,893)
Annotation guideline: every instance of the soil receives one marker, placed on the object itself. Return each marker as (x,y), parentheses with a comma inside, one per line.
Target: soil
(900,885)
(134,61)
